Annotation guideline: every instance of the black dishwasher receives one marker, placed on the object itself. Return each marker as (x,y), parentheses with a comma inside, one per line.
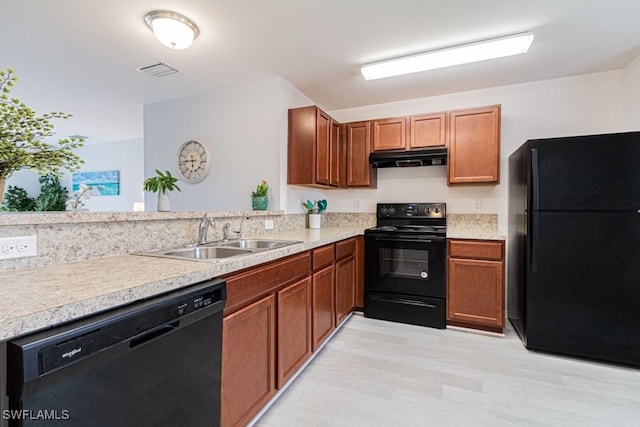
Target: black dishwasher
(154,362)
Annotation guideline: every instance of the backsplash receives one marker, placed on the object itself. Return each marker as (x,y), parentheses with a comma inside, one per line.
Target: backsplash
(66,237)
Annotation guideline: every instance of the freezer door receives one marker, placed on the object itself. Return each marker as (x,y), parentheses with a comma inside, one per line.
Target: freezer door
(583,292)
(598,172)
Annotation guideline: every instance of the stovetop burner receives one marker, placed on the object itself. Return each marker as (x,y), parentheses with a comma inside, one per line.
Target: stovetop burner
(411,218)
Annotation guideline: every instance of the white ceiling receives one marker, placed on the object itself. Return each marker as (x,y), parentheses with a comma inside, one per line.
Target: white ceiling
(81,56)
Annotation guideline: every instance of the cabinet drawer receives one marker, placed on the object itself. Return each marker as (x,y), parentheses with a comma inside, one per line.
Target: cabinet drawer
(476,249)
(323,257)
(345,248)
(251,285)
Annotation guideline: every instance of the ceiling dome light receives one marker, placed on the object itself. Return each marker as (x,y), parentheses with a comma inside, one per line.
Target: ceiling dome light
(172,29)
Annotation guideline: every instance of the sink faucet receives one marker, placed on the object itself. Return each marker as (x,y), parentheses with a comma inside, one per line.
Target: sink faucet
(203,228)
(225,232)
(239,231)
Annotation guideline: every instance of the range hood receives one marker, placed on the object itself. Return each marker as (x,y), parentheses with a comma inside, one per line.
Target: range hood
(399,159)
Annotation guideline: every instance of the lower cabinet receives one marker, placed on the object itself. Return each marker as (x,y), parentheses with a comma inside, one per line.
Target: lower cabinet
(475,285)
(294,329)
(277,315)
(323,297)
(345,278)
(248,361)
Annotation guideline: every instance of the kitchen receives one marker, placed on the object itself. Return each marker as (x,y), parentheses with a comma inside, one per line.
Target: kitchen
(579,104)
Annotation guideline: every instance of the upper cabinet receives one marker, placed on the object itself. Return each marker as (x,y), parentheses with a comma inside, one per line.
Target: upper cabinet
(428,130)
(474,146)
(313,148)
(410,133)
(360,173)
(324,153)
(390,134)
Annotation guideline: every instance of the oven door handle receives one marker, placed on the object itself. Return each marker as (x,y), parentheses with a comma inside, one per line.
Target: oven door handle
(399,239)
(402,301)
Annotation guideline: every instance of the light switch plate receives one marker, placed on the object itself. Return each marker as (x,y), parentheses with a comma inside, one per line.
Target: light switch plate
(477,205)
(18,247)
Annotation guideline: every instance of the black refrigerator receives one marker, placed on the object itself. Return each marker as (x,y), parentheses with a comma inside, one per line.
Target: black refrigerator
(574,246)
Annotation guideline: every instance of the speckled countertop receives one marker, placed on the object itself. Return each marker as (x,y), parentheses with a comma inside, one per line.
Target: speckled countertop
(41,297)
(469,226)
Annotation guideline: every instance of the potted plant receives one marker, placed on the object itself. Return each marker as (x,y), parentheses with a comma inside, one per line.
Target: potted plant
(259,198)
(161,183)
(21,137)
(315,210)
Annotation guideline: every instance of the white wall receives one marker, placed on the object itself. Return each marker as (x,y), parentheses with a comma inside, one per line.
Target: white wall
(631,82)
(125,156)
(561,107)
(244,128)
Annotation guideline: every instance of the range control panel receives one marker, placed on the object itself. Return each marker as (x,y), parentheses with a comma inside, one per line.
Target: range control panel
(407,210)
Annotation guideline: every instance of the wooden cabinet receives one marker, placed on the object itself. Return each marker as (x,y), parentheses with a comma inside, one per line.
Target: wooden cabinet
(475,285)
(337,157)
(256,297)
(390,134)
(311,150)
(323,298)
(248,361)
(360,173)
(474,146)
(427,130)
(410,133)
(345,278)
(294,329)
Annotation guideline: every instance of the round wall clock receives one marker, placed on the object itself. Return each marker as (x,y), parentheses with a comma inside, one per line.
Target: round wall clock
(194,161)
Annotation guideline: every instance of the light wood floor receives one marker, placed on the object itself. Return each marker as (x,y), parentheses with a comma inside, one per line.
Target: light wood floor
(376,373)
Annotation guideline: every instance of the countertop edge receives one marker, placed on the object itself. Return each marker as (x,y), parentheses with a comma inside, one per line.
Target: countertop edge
(14,326)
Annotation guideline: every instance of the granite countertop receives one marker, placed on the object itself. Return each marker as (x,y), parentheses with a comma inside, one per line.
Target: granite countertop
(38,298)
(470,226)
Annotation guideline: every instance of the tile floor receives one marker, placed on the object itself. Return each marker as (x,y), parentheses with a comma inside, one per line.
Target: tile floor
(376,373)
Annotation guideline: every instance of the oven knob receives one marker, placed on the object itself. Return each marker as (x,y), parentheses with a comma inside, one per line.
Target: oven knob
(437,210)
(427,210)
(424,275)
(392,210)
(383,210)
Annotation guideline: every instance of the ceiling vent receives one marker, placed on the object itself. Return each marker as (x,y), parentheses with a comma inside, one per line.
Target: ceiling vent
(160,69)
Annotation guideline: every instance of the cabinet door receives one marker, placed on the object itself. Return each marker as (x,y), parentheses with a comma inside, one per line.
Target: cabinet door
(335,164)
(390,134)
(427,130)
(475,293)
(294,328)
(323,147)
(323,311)
(359,170)
(474,146)
(345,288)
(248,361)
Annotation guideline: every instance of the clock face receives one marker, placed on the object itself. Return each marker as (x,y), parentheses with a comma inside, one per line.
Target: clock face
(193,161)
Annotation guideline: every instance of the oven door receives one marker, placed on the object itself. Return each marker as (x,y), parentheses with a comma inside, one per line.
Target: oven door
(405,264)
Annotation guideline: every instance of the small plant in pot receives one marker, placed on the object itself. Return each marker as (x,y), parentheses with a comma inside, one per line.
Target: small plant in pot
(161,184)
(259,198)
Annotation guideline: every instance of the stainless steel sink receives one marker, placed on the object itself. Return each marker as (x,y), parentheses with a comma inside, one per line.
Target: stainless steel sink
(206,252)
(220,250)
(257,244)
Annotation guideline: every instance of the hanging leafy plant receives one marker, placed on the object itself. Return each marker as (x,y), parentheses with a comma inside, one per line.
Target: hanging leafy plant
(22,134)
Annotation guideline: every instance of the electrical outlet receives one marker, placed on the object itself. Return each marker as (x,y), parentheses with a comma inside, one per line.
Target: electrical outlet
(477,205)
(356,205)
(268,224)
(18,247)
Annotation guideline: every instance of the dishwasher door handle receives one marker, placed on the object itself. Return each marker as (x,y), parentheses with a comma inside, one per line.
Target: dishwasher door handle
(154,333)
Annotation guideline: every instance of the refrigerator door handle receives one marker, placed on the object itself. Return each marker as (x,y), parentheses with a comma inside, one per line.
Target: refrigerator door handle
(533,241)
(535,180)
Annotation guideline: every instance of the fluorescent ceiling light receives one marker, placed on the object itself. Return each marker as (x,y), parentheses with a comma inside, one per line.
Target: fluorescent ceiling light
(456,55)
(172,29)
